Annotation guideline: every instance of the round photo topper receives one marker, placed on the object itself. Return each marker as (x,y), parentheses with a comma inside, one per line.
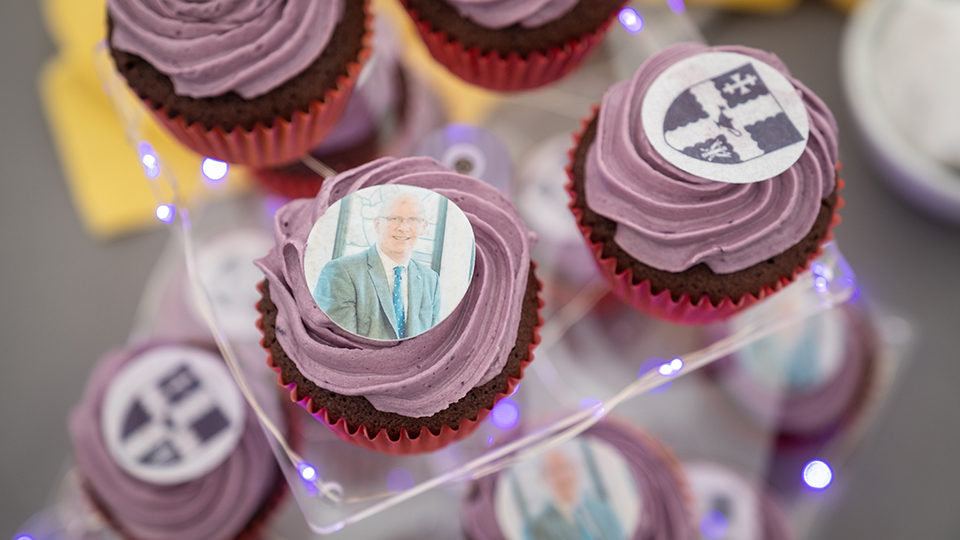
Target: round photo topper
(390,262)
(582,488)
(172,414)
(226,270)
(727,117)
(726,504)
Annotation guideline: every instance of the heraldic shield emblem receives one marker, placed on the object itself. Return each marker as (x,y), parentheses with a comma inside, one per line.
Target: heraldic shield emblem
(726,117)
(736,112)
(172,415)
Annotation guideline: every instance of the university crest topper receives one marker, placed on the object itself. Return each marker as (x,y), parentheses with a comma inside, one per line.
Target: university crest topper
(726,117)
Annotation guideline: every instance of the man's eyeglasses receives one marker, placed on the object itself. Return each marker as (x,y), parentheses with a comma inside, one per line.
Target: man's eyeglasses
(397,220)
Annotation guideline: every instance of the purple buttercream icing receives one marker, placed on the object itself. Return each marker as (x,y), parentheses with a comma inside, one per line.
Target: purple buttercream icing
(672,220)
(217,46)
(216,506)
(422,375)
(664,515)
(502,13)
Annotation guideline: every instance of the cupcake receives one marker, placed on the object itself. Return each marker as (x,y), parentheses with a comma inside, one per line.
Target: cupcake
(706,182)
(376,359)
(730,506)
(612,482)
(805,383)
(511,45)
(255,83)
(166,447)
(388,114)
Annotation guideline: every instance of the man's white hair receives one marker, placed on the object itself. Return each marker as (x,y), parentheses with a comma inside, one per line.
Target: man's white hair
(399,193)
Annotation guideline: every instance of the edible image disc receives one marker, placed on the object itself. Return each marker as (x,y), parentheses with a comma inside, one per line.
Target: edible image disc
(470,150)
(726,117)
(726,504)
(583,488)
(172,414)
(390,262)
(226,270)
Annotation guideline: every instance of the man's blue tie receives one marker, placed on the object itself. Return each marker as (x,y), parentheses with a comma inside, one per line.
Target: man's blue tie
(398,299)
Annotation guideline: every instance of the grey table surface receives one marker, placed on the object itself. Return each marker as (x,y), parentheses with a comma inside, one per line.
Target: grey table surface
(67,297)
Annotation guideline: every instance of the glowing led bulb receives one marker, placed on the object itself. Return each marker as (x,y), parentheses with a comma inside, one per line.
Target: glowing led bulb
(821,284)
(505,414)
(166,212)
(671,368)
(214,169)
(307,472)
(817,474)
(631,20)
(676,6)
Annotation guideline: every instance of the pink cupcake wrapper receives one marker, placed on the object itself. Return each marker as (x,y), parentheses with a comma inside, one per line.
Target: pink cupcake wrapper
(662,305)
(407,443)
(264,146)
(511,73)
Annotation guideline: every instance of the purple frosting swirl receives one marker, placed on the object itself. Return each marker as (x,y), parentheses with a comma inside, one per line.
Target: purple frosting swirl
(502,13)
(217,46)
(422,375)
(672,220)
(665,514)
(216,506)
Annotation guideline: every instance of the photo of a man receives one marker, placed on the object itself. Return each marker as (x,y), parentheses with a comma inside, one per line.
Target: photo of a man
(572,513)
(383,293)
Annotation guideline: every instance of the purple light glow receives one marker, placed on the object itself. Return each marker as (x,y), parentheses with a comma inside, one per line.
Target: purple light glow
(821,284)
(676,6)
(505,414)
(631,20)
(307,472)
(213,169)
(148,158)
(490,440)
(588,402)
(166,213)
(817,474)
(713,525)
(272,203)
(655,364)
(399,480)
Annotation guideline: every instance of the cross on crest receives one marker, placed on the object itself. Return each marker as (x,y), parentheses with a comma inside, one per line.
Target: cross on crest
(740,83)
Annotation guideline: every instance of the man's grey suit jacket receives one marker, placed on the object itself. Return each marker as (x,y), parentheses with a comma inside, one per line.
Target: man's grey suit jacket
(353,291)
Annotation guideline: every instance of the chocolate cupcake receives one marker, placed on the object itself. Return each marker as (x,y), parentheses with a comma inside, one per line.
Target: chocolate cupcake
(694,247)
(257,84)
(380,364)
(612,482)
(511,45)
(166,447)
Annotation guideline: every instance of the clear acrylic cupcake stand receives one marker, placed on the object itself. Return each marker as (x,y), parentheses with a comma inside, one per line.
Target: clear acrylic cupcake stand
(597,357)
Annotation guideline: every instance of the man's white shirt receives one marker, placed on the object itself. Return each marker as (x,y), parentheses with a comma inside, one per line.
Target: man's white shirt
(388,266)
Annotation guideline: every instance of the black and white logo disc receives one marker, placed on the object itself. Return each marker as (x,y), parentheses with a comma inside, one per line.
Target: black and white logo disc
(172,414)
(727,117)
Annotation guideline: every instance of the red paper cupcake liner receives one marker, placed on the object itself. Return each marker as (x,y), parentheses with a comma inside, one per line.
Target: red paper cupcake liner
(407,443)
(289,185)
(511,73)
(662,305)
(264,146)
